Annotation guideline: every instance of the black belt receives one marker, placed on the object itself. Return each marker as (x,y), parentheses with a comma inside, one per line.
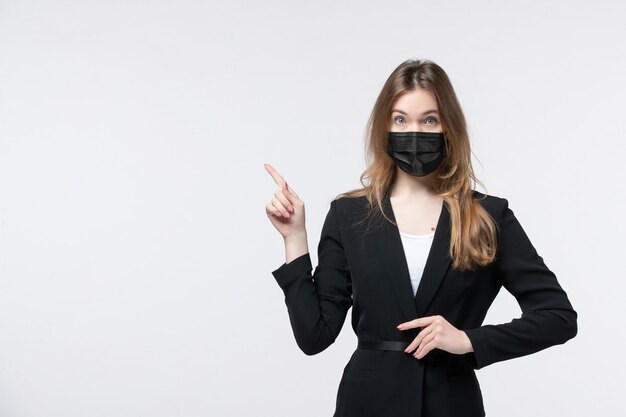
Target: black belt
(383,345)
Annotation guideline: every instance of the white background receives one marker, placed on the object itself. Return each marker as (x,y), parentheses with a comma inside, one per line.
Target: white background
(135,252)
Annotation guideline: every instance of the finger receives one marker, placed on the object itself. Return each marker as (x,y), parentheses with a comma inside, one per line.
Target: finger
(415,343)
(287,190)
(286,202)
(291,190)
(273,210)
(418,339)
(279,206)
(429,346)
(426,340)
(419,322)
(277,177)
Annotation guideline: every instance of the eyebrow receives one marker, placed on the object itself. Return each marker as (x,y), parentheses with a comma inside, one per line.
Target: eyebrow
(423,114)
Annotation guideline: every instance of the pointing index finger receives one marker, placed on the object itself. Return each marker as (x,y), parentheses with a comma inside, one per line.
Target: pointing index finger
(277,177)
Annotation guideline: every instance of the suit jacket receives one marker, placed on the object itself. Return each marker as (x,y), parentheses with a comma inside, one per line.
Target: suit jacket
(367,270)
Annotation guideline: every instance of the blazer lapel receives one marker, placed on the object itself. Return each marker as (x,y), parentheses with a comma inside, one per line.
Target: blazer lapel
(391,249)
(437,263)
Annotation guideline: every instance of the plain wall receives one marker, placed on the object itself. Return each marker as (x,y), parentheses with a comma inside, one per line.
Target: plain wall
(135,251)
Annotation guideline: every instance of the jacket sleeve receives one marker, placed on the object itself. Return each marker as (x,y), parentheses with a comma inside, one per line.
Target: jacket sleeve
(547,315)
(317,304)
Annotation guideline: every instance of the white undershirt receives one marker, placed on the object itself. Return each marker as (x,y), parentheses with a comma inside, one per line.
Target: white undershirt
(416,248)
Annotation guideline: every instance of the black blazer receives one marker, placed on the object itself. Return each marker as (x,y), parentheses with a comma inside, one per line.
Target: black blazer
(367,270)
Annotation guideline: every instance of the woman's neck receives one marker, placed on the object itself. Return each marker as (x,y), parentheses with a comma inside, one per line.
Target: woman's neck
(407,186)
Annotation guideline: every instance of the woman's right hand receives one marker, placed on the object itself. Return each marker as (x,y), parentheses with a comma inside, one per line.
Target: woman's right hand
(286,210)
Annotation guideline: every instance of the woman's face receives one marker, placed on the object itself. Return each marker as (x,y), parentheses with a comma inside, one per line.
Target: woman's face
(415,111)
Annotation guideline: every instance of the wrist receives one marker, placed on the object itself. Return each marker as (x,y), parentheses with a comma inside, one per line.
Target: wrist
(468,343)
(295,246)
(296,237)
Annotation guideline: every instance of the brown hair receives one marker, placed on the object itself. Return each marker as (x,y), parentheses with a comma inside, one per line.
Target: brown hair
(473,231)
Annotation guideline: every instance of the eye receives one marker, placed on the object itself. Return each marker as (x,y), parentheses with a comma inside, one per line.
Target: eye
(398,117)
(433,119)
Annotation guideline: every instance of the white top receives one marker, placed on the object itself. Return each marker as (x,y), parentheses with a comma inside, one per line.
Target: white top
(416,249)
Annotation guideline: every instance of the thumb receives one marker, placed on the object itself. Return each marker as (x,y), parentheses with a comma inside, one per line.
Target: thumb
(289,190)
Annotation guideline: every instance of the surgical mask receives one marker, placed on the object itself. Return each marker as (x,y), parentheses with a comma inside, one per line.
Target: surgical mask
(417,153)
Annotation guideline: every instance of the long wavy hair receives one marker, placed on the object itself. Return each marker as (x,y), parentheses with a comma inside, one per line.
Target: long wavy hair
(473,230)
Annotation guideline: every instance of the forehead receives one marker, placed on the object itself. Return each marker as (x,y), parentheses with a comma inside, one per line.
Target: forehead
(415,101)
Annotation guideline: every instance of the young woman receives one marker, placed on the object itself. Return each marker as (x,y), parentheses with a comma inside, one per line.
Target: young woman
(419,255)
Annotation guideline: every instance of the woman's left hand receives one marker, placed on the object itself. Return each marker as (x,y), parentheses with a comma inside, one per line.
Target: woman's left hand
(436,333)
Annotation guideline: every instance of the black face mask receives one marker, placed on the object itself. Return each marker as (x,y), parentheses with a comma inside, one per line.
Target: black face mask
(417,153)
